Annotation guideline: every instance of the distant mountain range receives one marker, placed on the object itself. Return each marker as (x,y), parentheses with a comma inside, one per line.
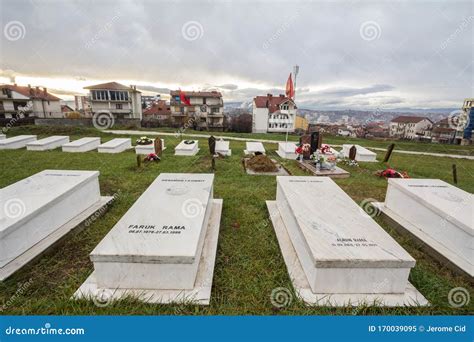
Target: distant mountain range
(349,115)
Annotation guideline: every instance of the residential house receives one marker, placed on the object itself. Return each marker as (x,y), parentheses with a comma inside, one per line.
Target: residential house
(206,110)
(120,100)
(443,133)
(273,114)
(411,127)
(66,109)
(160,111)
(20,102)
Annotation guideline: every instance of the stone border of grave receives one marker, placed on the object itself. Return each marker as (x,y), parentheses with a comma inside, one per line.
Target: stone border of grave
(435,249)
(337,173)
(282,171)
(200,294)
(55,238)
(411,297)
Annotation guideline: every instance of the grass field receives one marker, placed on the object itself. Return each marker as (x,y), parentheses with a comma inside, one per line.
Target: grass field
(249,264)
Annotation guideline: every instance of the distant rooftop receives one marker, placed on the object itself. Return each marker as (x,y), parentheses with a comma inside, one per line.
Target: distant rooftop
(271,102)
(197,93)
(31,92)
(110,86)
(409,119)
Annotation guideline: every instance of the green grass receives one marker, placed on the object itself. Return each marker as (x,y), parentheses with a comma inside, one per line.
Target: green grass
(249,264)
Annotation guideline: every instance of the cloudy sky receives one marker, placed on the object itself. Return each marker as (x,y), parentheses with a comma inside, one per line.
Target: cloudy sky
(352,54)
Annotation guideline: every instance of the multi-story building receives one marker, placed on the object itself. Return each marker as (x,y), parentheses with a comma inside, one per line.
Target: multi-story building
(19,102)
(118,99)
(206,110)
(443,133)
(411,127)
(467,121)
(273,114)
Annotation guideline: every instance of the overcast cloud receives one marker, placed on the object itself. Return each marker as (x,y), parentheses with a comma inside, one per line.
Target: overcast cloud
(352,54)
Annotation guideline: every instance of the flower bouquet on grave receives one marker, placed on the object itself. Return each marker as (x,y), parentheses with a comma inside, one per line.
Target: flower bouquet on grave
(328,161)
(189,142)
(144,141)
(152,157)
(348,162)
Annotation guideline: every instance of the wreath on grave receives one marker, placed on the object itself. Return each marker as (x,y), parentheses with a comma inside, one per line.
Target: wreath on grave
(144,141)
(189,142)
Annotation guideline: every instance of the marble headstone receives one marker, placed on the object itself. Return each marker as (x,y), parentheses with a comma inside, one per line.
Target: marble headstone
(253,147)
(116,145)
(16,142)
(223,147)
(82,145)
(187,148)
(362,154)
(287,150)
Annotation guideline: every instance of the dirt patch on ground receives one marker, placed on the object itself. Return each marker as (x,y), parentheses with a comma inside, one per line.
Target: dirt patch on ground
(261,163)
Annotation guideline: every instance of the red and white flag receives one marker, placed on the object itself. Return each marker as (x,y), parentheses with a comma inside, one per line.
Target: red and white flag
(290,90)
(183,98)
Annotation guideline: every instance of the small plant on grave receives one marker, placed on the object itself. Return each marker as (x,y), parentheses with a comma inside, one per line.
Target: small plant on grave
(144,141)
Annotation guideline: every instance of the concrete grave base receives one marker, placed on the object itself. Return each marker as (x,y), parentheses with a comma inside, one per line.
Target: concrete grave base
(200,294)
(411,297)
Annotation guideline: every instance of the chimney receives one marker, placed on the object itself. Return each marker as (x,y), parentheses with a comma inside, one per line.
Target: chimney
(45,91)
(29,86)
(269,95)
(281,95)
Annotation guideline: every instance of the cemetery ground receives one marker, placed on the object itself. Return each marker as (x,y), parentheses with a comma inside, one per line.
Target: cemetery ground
(249,264)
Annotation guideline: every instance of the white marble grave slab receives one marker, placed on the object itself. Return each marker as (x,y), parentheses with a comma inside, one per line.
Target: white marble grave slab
(411,296)
(82,145)
(340,247)
(362,155)
(2,136)
(16,142)
(150,148)
(252,147)
(187,149)
(116,145)
(49,143)
(37,206)
(201,292)
(222,147)
(287,150)
(437,213)
(158,243)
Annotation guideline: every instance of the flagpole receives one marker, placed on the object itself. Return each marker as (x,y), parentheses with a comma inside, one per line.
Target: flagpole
(295,72)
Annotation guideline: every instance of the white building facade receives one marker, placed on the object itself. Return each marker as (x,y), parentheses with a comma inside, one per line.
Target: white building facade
(411,127)
(273,114)
(118,99)
(21,102)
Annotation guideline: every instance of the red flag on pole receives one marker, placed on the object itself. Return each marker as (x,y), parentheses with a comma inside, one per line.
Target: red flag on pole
(290,90)
(183,98)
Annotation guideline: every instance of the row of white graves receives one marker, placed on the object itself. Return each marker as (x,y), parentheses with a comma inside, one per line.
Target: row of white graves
(2,136)
(37,211)
(362,154)
(164,248)
(16,142)
(49,143)
(436,213)
(336,254)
